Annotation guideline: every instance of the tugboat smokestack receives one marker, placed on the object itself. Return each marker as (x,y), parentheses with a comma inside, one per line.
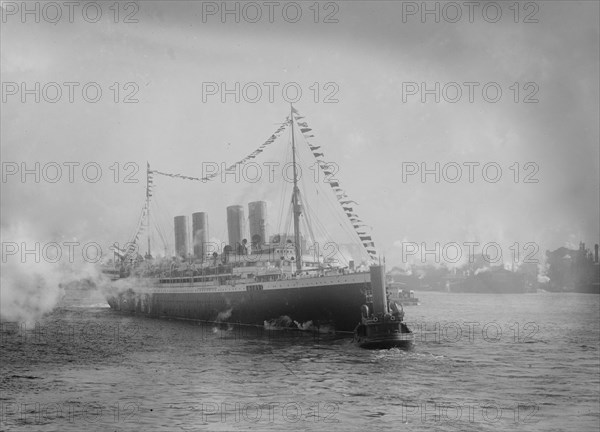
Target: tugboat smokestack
(378,289)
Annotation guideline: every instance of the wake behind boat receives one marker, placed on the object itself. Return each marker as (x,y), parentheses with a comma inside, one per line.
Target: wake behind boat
(283,282)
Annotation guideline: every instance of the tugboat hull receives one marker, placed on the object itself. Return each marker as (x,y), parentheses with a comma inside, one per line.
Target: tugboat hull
(383,336)
(381,325)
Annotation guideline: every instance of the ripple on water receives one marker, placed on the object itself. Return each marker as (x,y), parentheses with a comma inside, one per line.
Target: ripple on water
(169,375)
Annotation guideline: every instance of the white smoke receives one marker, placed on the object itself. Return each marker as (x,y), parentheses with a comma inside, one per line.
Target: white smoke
(308,325)
(543,279)
(542,276)
(283,321)
(222,316)
(28,290)
(482,270)
(32,284)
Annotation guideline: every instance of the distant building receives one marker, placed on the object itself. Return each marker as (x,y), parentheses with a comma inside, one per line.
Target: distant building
(573,269)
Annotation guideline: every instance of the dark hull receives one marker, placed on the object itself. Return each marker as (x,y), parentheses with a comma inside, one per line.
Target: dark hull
(385,343)
(383,336)
(330,307)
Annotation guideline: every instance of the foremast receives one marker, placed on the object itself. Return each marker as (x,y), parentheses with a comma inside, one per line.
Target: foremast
(148,195)
(297,210)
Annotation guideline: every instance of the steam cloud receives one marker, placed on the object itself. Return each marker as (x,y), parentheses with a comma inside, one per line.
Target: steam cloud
(30,289)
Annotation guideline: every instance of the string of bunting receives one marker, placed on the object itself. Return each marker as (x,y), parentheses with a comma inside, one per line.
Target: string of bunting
(150,179)
(343,199)
(232,167)
(131,247)
(131,250)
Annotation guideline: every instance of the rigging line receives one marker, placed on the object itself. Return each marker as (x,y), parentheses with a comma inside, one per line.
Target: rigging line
(288,206)
(288,222)
(307,200)
(280,187)
(326,193)
(284,365)
(159,225)
(274,137)
(283,205)
(138,230)
(278,191)
(346,222)
(329,239)
(306,203)
(311,214)
(310,219)
(161,219)
(320,229)
(265,144)
(162,237)
(308,224)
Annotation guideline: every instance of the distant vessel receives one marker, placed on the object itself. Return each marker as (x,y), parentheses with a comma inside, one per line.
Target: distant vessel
(259,283)
(495,280)
(399,293)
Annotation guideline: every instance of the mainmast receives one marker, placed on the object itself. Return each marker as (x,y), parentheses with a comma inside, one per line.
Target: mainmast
(295,197)
(148,194)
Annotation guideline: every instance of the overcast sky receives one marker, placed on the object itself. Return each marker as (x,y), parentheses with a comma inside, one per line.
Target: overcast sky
(370,54)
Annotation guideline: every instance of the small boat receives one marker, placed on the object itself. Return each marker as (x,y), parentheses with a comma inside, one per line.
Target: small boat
(400,294)
(382,325)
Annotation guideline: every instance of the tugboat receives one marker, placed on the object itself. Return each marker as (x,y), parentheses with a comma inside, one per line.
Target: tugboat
(381,325)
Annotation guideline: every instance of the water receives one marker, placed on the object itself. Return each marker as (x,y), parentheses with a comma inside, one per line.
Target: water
(480,363)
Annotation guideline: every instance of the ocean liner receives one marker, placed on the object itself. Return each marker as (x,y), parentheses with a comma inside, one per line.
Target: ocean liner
(280,282)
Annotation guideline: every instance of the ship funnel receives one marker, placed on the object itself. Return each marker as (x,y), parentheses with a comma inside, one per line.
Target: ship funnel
(200,235)
(378,289)
(257,214)
(235,225)
(181,236)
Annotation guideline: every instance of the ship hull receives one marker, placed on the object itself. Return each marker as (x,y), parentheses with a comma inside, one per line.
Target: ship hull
(327,305)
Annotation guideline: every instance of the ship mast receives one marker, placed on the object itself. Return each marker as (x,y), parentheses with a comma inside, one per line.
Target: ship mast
(295,197)
(148,205)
